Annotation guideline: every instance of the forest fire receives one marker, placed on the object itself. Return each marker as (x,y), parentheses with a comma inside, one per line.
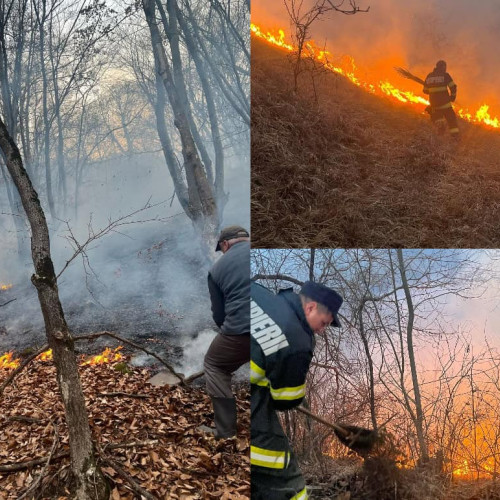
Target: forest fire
(348,69)
(45,356)
(107,356)
(8,362)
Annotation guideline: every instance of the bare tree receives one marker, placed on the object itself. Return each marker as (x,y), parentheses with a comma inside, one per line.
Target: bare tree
(301,21)
(89,480)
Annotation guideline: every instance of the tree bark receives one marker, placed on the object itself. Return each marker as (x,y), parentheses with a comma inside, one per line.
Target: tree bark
(89,481)
(419,421)
(200,193)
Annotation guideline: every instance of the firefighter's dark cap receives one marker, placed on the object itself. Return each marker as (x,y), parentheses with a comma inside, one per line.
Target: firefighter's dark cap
(229,233)
(325,296)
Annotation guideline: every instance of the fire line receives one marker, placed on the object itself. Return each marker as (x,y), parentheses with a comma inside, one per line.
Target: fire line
(278,39)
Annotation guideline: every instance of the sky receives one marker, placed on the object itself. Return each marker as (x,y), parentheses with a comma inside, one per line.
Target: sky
(413,34)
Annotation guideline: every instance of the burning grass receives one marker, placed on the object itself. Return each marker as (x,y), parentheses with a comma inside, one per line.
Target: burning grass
(182,462)
(335,166)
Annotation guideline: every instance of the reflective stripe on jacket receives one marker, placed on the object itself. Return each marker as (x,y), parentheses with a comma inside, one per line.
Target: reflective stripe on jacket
(437,85)
(282,346)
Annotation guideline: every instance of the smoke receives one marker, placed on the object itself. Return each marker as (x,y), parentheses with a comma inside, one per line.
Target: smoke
(413,34)
(144,279)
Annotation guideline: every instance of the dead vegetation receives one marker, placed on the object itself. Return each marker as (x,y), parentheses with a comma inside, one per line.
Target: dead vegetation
(147,438)
(335,166)
(379,478)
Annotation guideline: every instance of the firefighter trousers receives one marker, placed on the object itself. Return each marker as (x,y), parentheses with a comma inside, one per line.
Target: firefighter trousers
(449,115)
(285,484)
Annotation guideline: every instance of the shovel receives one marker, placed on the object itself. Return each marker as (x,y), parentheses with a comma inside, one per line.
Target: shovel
(358,439)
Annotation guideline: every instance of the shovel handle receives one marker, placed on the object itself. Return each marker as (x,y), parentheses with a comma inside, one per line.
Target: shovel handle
(324,422)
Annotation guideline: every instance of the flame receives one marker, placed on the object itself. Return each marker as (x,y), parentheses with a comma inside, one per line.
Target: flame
(7,361)
(463,470)
(381,87)
(6,287)
(108,356)
(45,356)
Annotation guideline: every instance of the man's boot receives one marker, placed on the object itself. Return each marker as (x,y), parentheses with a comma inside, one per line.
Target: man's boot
(224,417)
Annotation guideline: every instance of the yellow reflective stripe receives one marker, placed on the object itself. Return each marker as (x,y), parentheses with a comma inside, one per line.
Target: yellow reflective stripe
(289,393)
(452,84)
(258,375)
(437,89)
(445,106)
(257,369)
(301,495)
(267,458)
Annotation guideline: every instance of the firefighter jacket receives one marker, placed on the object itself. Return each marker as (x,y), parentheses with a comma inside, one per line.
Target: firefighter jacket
(282,346)
(436,85)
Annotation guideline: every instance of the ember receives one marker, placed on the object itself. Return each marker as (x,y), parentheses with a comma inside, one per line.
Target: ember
(6,287)
(380,87)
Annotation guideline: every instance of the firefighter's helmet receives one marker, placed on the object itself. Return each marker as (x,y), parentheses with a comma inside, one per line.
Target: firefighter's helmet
(441,65)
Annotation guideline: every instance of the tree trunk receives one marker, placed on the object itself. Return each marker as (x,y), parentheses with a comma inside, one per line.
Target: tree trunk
(46,121)
(199,190)
(89,481)
(419,421)
(212,113)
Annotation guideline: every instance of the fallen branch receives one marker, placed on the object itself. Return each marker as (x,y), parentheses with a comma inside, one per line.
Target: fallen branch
(139,490)
(36,482)
(22,418)
(92,336)
(30,463)
(130,444)
(21,367)
(194,376)
(124,394)
(8,302)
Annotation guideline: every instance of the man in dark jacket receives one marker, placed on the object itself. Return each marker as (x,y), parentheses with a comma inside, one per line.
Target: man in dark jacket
(436,85)
(229,286)
(282,342)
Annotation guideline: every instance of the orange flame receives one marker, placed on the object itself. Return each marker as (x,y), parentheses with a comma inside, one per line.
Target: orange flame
(481,116)
(108,356)
(7,361)
(45,356)
(6,287)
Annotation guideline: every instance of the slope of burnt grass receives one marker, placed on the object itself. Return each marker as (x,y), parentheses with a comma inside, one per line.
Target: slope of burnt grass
(335,166)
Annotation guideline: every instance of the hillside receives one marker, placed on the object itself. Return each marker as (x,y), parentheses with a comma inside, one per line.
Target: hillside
(335,166)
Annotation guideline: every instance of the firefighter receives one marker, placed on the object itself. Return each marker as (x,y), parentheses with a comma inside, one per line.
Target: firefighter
(282,329)
(229,287)
(442,92)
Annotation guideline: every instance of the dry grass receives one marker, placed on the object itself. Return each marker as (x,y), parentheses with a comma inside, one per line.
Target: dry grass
(352,170)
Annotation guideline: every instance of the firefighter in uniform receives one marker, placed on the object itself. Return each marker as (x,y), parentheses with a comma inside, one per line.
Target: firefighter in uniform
(282,331)
(436,85)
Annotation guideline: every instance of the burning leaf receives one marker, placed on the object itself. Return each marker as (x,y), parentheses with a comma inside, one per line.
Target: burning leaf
(108,356)
(7,361)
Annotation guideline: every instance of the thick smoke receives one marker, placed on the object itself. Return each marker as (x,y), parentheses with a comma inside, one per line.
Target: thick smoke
(142,280)
(414,34)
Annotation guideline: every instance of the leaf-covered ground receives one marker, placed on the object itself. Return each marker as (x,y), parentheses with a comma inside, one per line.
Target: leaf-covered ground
(180,461)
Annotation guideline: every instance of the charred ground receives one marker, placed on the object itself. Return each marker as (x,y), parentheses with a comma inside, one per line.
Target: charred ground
(335,166)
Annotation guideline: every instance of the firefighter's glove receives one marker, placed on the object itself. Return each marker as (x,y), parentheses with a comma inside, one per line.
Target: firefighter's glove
(452,98)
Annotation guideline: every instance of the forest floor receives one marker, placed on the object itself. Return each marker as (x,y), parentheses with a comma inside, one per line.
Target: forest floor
(380,479)
(335,166)
(153,437)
